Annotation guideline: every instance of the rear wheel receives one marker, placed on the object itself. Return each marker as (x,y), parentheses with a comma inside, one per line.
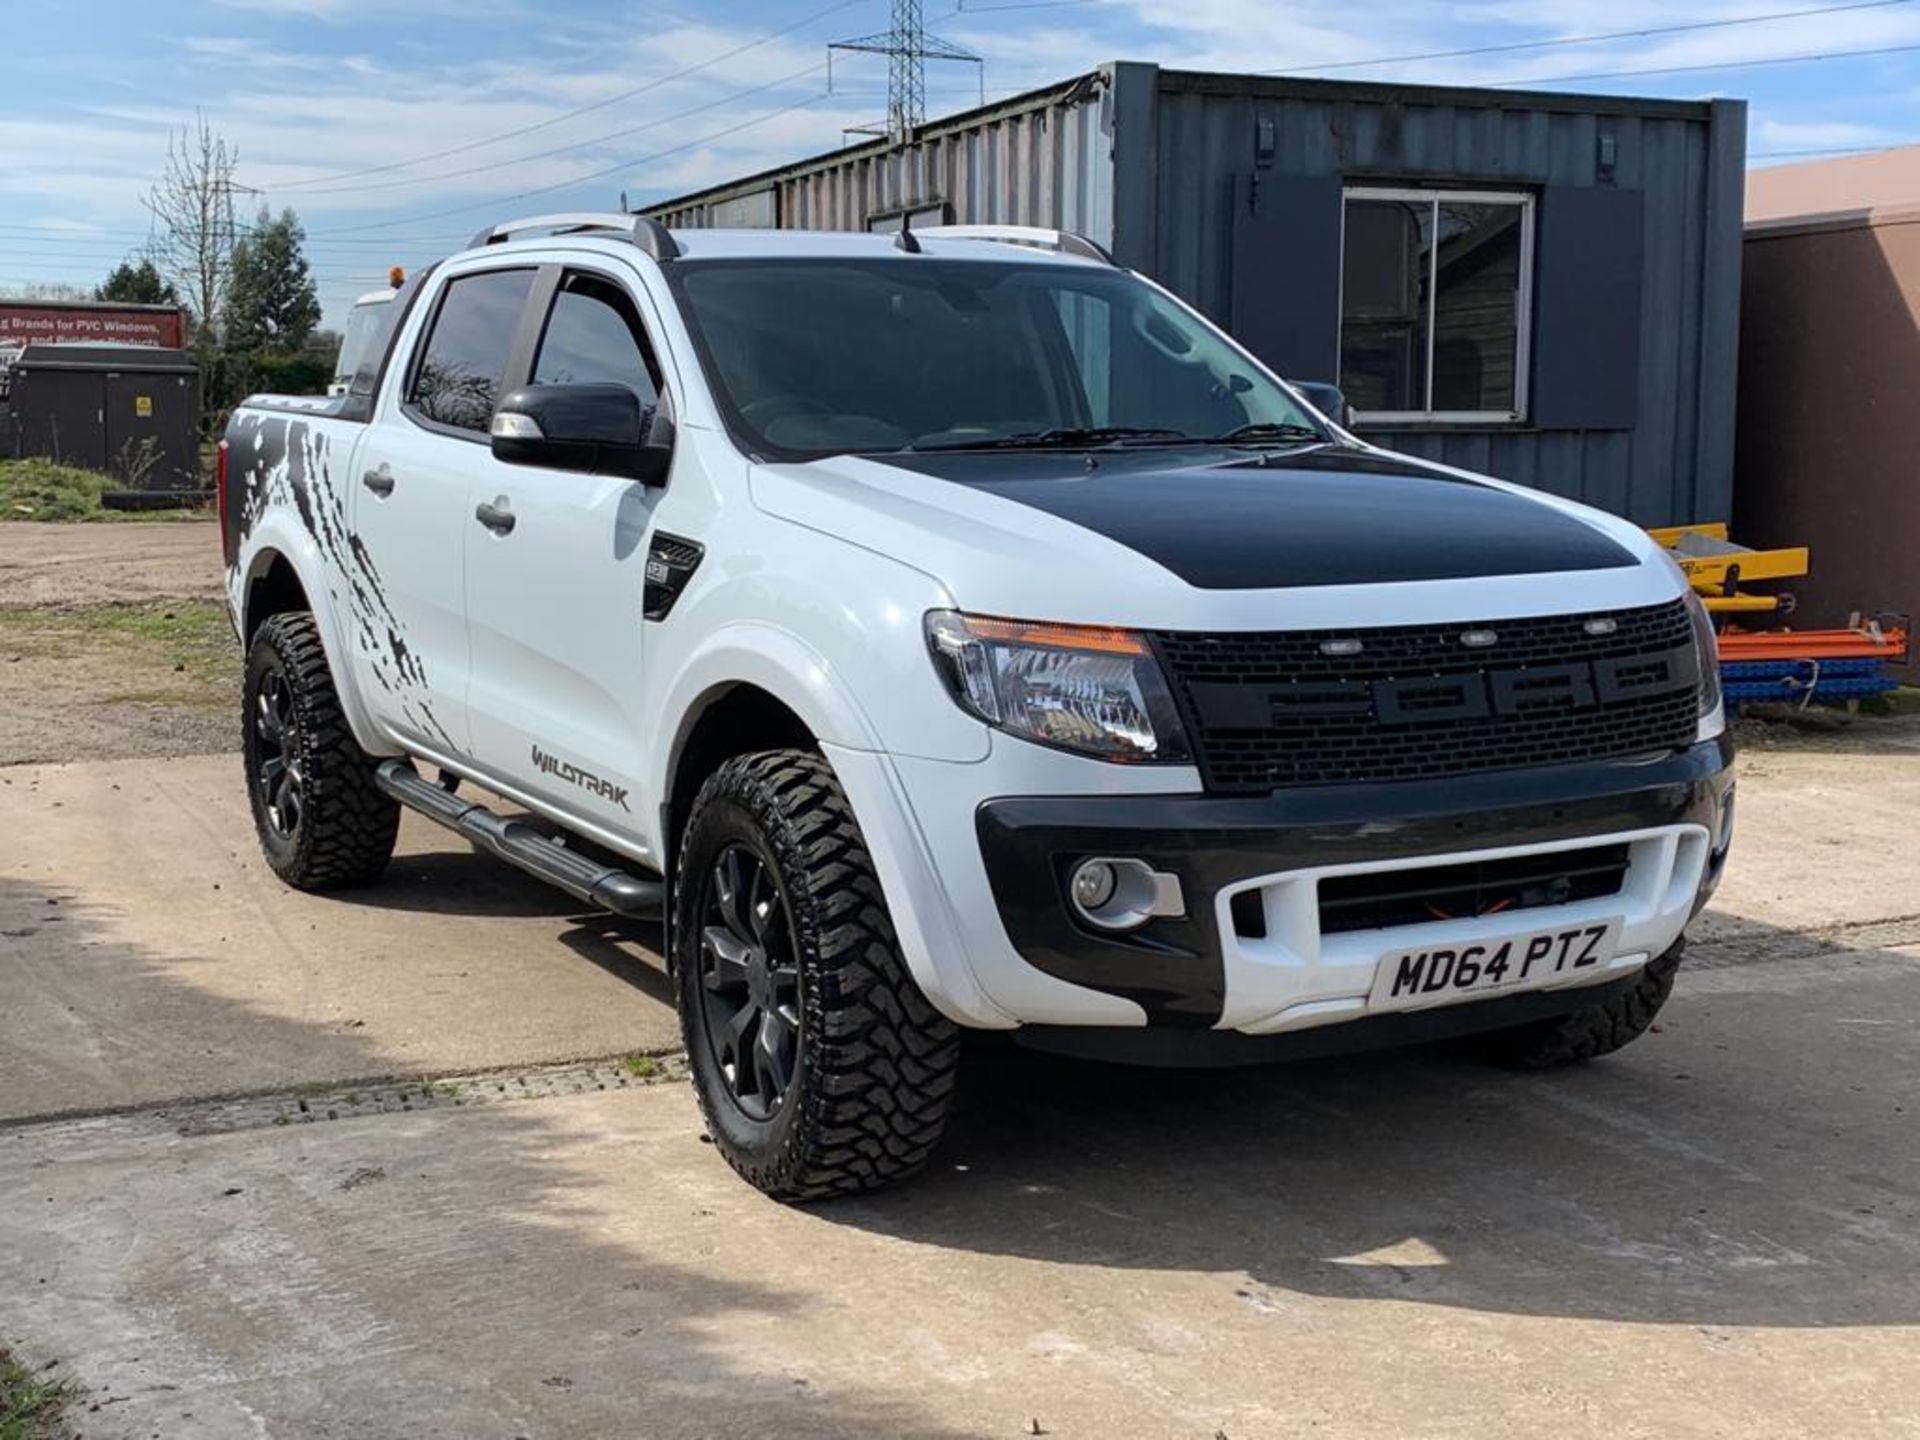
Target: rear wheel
(1588,1033)
(820,1067)
(323,822)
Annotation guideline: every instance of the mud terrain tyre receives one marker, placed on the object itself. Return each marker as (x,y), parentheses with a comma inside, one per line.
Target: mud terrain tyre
(1588,1033)
(323,822)
(820,1067)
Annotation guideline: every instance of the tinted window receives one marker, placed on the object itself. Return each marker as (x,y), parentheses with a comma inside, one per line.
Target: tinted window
(457,381)
(813,357)
(593,337)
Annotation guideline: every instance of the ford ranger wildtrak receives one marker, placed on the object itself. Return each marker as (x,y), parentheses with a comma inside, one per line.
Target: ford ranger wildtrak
(952,630)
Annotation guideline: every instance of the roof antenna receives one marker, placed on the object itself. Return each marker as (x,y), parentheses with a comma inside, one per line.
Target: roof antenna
(904,238)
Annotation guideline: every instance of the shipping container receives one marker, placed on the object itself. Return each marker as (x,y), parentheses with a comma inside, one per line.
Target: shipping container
(1539,286)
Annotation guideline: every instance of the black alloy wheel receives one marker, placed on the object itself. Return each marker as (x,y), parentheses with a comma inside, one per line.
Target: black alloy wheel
(277,767)
(750,981)
(820,1067)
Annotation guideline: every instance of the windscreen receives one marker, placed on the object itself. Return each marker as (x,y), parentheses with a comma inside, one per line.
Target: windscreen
(814,357)
(362,324)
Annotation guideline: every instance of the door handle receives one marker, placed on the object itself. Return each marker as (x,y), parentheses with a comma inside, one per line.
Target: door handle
(496,516)
(380,481)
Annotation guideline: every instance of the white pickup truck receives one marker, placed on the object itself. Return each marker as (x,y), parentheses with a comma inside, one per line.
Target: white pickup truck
(955,631)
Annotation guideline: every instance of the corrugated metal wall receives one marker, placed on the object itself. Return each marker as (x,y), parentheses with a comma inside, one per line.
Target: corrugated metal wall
(1037,160)
(1676,462)
(1151,163)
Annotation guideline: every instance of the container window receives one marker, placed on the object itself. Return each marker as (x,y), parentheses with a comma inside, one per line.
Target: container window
(1435,300)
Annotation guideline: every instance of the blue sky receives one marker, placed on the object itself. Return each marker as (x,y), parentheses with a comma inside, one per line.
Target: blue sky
(377,119)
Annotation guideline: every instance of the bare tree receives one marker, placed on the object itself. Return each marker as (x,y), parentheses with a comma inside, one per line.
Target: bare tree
(193,232)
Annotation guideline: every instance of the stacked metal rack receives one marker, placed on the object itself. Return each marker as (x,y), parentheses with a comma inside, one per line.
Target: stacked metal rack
(1838,666)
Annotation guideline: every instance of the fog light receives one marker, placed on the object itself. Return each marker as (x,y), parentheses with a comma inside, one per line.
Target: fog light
(1122,894)
(1093,885)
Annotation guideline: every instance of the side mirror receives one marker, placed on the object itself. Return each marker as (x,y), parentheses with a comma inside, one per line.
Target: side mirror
(1328,399)
(599,429)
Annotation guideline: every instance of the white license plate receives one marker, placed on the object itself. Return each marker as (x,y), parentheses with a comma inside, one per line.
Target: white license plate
(1431,974)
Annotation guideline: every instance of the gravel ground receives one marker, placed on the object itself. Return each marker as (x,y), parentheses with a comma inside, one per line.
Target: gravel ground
(113,643)
(54,564)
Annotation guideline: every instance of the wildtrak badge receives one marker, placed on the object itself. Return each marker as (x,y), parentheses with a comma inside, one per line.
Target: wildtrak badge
(553,765)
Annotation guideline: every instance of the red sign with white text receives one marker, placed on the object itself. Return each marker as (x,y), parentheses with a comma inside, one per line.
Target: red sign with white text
(25,323)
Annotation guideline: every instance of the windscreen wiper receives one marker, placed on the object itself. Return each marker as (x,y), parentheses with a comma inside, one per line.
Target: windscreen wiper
(1063,437)
(1271,430)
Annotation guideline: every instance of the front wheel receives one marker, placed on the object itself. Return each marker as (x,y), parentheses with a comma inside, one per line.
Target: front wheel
(820,1067)
(1588,1033)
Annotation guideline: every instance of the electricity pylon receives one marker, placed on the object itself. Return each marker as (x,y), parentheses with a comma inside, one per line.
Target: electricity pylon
(907,47)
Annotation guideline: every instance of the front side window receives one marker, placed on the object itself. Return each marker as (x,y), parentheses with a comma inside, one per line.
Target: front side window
(457,380)
(593,337)
(1434,302)
(813,357)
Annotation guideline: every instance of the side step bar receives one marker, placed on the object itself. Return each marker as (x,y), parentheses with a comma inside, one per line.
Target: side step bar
(518,843)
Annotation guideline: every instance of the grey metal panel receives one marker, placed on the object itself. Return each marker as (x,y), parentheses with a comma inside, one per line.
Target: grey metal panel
(1720,313)
(1285,226)
(1586,357)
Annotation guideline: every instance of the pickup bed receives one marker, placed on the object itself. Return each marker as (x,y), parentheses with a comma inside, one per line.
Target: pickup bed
(954,631)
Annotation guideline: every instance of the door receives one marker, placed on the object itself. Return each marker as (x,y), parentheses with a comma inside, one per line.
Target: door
(412,514)
(554,603)
(149,434)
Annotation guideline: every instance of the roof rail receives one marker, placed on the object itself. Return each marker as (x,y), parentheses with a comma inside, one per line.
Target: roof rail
(1063,242)
(649,235)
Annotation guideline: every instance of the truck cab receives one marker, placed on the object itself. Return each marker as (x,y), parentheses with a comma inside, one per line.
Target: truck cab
(954,631)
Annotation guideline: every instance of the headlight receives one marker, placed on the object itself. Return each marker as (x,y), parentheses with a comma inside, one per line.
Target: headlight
(1083,688)
(1708,644)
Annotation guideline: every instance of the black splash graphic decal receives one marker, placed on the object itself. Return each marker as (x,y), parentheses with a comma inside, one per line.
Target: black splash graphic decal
(282,460)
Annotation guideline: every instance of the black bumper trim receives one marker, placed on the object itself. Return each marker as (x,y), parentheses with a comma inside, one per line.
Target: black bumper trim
(1173,968)
(1167,1048)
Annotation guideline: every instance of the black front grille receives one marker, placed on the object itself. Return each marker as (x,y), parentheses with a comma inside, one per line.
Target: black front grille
(1417,702)
(1383,899)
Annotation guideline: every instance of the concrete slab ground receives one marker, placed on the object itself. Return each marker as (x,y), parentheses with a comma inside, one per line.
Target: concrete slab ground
(1715,1234)
(149,954)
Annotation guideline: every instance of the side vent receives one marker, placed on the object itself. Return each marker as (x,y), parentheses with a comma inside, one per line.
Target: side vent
(671,562)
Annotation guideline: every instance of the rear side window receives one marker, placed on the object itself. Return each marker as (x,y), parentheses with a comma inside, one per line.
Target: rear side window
(593,337)
(458,376)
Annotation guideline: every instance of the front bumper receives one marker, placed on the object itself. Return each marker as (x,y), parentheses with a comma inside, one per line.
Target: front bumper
(1200,971)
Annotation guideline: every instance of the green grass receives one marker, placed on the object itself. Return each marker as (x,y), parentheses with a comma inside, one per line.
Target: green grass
(30,1403)
(643,1067)
(36,489)
(179,646)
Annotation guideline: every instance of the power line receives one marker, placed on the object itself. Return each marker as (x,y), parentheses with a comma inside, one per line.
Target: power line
(624,95)
(1815,57)
(1642,34)
(960,7)
(136,240)
(588,144)
(579,180)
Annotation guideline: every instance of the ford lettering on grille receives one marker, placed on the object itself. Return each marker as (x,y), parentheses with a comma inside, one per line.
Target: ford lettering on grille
(1298,708)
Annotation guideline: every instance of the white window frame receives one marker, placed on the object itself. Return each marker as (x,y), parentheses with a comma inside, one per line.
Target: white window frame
(1433,195)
